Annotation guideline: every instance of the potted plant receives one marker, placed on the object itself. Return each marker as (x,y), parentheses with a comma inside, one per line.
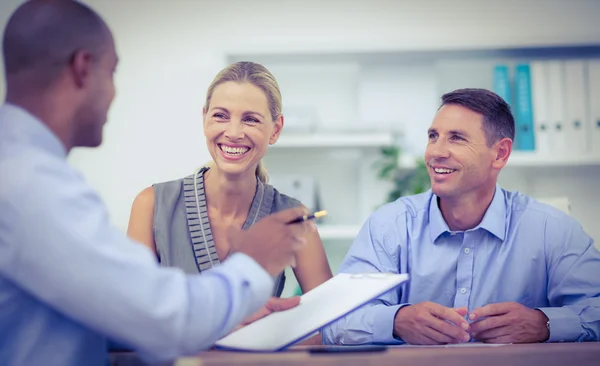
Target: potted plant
(407,180)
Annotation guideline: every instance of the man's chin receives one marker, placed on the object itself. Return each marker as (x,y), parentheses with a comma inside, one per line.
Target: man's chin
(89,142)
(443,191)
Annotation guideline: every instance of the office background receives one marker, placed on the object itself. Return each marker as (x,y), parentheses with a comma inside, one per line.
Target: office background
(356,76)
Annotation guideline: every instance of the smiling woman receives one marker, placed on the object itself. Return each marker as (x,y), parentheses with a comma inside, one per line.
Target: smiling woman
(186,222)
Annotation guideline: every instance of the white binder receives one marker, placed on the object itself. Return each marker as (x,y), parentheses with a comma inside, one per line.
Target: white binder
(319,307)
(539,96)
(594,104)
(556,101)
(577,126)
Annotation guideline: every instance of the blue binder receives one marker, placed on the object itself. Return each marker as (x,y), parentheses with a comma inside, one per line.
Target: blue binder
(502,83)
(525,139)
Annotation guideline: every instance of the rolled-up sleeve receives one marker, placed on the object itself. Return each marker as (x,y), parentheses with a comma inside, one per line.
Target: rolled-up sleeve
(56,242)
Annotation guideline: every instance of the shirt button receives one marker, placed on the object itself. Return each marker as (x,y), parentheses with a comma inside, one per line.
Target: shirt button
(467,250)
(463,290)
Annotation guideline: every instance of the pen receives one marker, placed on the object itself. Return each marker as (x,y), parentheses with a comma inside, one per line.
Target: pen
(315,215)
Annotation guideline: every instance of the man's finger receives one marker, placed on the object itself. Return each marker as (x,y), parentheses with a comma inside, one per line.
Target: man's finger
(488,323)
(451,333)
(490,310)
(493,333)
(498,335)
(437,336)
(281,304)
(463,311)
(264,311)
(451,315)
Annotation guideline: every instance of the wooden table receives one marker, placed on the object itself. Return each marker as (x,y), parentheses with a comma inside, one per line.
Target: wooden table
(545,354)
(572,354)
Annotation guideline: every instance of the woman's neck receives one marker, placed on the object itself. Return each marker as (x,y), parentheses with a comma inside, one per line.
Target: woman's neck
(229,197)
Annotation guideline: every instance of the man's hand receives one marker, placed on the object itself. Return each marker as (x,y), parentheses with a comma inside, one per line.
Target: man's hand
(273,305)
(272,242)
(508,322)
(430,323)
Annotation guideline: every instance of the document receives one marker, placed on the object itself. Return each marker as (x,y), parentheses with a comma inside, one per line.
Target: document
(453,345)
(318,308)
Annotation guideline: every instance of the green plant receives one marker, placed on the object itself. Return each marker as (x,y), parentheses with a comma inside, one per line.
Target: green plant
(406,181)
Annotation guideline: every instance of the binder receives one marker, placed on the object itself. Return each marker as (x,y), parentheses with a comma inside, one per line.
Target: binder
(502,83)
(539,94)
(577,126)
(556,101)
(594,104)
(524,126)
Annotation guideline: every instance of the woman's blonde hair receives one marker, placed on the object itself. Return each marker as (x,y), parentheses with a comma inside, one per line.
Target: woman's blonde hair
(259,76)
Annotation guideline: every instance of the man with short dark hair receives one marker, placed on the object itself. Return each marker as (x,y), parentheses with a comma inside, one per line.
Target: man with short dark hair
(485,264)
(68,279)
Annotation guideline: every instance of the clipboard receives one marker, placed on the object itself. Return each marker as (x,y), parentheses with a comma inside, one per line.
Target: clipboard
(318,308)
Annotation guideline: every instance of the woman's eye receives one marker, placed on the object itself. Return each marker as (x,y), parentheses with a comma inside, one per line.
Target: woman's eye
(251,120)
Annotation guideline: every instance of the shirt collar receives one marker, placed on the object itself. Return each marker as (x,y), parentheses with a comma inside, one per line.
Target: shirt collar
(30,129)
(494,220)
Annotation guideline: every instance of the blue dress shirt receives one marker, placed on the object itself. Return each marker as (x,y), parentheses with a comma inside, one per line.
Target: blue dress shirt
(69,280)
(522,251)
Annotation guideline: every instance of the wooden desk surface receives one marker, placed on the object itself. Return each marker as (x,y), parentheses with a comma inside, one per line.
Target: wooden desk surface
(549,354)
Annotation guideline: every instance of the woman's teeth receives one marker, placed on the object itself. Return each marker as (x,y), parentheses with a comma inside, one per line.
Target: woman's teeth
(234,150)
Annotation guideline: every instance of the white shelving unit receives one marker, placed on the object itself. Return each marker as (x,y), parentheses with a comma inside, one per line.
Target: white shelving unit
(338,232)
(520,159)
(334,139)
(523,159)
(366,100)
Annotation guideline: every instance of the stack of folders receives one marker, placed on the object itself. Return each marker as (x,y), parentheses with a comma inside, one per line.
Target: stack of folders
(556,104)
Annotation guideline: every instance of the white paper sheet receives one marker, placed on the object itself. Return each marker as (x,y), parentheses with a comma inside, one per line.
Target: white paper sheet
(469,344)
(318,308)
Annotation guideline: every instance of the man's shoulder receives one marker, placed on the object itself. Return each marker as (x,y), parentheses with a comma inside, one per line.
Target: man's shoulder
(414,206)
(521,203)
(552,213)
(21,168)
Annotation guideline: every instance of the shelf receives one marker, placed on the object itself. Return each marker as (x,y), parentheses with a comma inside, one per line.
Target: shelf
(525,159)
(331,139)
(422,55)
(533,160)
(338,232)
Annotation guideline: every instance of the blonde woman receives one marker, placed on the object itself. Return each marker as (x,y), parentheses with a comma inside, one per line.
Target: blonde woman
(186,221)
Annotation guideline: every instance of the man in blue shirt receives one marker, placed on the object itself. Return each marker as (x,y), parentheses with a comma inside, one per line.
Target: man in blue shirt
(485,264)
(68,279)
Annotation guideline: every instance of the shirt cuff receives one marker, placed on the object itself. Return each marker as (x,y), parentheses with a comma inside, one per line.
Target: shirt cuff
(383,324)
(254,275)
(565,325)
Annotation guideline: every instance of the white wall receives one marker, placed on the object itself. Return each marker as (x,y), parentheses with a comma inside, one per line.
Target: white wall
(170,50)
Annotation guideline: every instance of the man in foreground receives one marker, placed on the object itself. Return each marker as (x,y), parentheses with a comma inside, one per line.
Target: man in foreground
(485,264)
(68,279)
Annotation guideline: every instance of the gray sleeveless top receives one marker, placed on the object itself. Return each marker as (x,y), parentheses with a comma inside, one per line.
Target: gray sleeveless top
(182,233)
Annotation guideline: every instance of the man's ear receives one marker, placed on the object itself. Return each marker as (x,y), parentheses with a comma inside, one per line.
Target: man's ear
(502,151)
(276,130)
(81,67)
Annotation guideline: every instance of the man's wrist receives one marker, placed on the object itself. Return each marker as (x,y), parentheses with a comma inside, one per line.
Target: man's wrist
(545,330)
(395,330)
